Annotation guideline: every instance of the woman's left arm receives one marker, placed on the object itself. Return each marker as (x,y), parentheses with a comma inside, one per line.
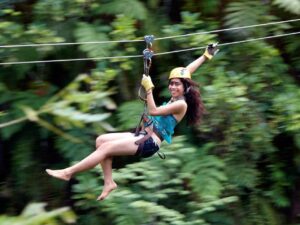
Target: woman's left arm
(210,51)
(193,66)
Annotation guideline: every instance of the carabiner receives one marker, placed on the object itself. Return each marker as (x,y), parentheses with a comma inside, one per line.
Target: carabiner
(148,53)
(149,40)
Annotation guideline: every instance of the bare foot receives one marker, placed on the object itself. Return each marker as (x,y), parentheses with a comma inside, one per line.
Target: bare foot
(60,174)
(106,190)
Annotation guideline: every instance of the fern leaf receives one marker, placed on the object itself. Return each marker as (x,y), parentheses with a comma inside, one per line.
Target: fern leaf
(133,8)
(89,32)
(292,6)
(245,13)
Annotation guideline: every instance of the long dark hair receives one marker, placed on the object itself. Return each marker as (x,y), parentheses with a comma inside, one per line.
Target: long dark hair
(193,99)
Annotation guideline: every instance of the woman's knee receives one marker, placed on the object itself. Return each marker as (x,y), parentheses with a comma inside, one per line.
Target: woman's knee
(100,140)
(105,148)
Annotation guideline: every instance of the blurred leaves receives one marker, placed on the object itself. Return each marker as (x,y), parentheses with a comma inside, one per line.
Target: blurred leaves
(90,32)
(35,214)
(287,108)
(154,196)
(133,112)
(292,6)
(240,166)
(133,8)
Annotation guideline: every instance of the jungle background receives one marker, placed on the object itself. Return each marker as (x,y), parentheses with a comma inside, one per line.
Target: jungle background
(240,166)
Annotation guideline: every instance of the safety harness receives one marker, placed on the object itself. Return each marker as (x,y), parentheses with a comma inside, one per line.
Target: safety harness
(147,55)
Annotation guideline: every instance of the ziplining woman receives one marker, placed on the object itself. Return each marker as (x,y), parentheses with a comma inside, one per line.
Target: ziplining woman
(158,125)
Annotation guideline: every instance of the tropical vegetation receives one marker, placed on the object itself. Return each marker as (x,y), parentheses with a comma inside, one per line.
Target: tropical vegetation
(240,166)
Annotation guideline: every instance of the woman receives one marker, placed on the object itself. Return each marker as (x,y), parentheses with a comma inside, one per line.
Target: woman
(159,126)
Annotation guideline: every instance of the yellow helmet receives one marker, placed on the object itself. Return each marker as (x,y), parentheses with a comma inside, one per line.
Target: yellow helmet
(180,72)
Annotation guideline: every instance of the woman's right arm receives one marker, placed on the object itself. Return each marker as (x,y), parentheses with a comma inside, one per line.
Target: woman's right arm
(175,108)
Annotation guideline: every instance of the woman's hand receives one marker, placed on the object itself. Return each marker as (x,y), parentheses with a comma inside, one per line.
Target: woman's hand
(147,83)
(211,50)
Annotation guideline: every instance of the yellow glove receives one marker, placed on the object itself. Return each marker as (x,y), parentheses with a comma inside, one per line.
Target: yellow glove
(147,83)
(211,50)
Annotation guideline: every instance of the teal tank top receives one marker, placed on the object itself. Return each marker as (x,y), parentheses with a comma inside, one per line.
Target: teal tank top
(165,126)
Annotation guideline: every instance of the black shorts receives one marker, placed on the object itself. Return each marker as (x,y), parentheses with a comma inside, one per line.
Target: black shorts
(147,149)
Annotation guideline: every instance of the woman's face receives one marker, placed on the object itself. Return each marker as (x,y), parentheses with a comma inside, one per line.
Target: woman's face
(176,87)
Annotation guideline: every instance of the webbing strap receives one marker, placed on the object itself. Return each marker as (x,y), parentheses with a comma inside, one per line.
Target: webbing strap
(138,127)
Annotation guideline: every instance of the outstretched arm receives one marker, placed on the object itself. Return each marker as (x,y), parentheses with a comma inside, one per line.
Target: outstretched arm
(193,66)
(210,51)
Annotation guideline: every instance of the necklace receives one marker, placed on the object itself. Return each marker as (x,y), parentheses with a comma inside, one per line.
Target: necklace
(176,99)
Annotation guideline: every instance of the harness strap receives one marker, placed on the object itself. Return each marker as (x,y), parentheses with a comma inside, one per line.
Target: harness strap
(141,141)
(139,126)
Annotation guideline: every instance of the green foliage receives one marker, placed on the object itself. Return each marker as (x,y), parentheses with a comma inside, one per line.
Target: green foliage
(148,195)
(287,108)
(244,13)
(236,168)
(208,179)
(292,6)
(191,23)
(11,33)
(133,8)
(90,32)
(75,152)
(133,112)
(61,10)
(35,214)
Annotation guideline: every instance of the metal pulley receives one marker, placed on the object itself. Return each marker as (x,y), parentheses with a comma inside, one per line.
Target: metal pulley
(147,55)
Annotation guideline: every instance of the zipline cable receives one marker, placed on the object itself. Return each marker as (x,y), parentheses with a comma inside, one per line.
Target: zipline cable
(229,29)
(138,56)
(157,54)
(229,43)
(161,38)
(67,43)
(71,60)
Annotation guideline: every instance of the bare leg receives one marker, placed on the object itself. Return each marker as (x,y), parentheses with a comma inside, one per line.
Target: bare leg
(106,150)
(65,174)
(103,155)
(109,183)
(106,164)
